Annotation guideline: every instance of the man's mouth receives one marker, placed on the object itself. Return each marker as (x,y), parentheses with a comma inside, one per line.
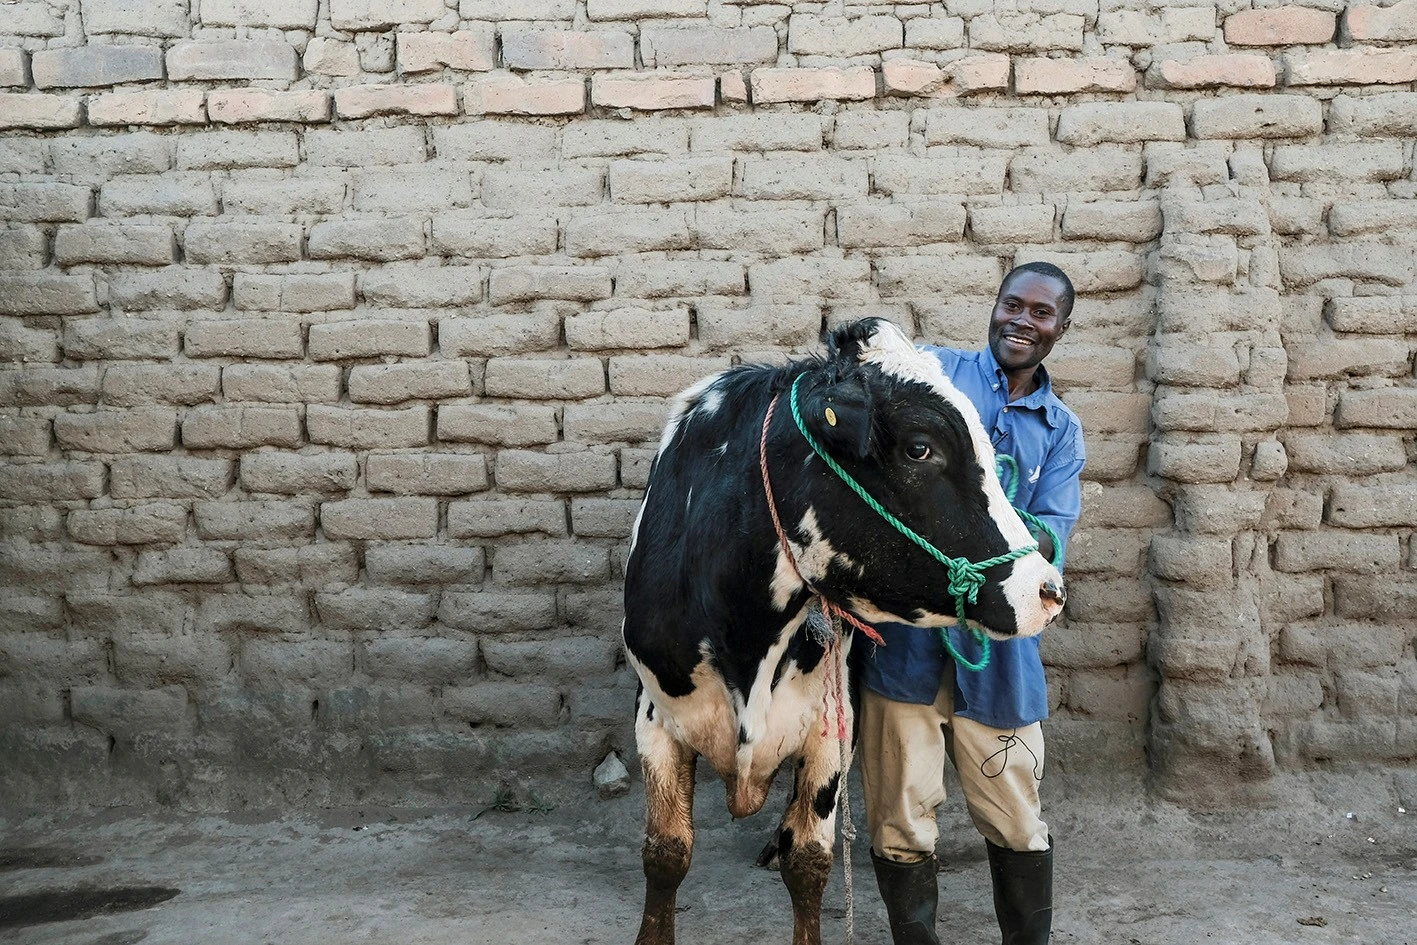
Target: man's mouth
(1018,341)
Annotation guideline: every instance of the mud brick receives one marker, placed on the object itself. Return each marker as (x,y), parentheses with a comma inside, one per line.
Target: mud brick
(247,106)
(508,94)
(23,247)
(516,188)
(1344,454)
(1385,504)
(468,50)
(655,278)
(841,38)
(934,275)
(265,195)
(528,471)
(1200,561)
(46,293)
(603,518)
(144,17)
(665,46)
(426,473)
(170,477)
(1387,114)
(296,474)
(129,712)
(497,425)
(262,521)
(49,387)
(808,177)
(408,189)
(363,101)
(244,338)
(1257,116)
(1379,161)
(14,69)
(871,130)
(1187,365)
(492,139)
(1200,72)
(1172,25)
(791,280)
(756,133)
(1339,551)
(761,325)
(276,13)
(1124,507)
(139,430)
(26,345)
(425,660)
(24,436)
(1234,217)
(893,174)
(769,232)
(131,243)
(525,49)
(1293,508)
(180,288)
(183,566)
(365,148)
(660,375)
(653,91)
(1305,265)
(492,335)
(995,128)
(498,611)
(527,283)
(232,59)
(391,519)
(279,664)
(1280,26)
(484,238)
(612,423)
(808,84)
(330,57)
(295,292)
(127,385)
(355,15)
(368,429)
(31,523)
(1121,122)
(627,328)
(492,518)
(45,203)
(1371,216)
(151,523)
(1065,77)
(527,10)
(1026,224)
(504,704)
(319,565)
(545,379)
(38,110)
(1196,459)
(380,240)
(1087,365)
(396,383)
(612,232)
(238,427)
(149,107)
(234,243)
(369,338)
(576,658)
(94,66)
(1348,356)
(423,564)
(635,9)
(234,613)
(1388,408)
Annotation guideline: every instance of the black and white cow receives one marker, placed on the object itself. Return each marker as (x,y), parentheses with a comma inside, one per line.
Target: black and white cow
(715,614)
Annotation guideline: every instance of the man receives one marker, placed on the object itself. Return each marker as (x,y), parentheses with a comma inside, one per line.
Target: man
(919,707)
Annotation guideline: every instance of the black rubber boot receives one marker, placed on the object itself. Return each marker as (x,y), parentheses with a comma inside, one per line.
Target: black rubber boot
(1023,893)
(912,896)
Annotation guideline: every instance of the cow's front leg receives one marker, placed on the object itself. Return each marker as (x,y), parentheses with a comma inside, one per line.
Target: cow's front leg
(669,822)
(807,834)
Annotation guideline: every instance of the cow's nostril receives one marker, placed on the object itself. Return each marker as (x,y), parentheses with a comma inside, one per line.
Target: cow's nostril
(1050,591)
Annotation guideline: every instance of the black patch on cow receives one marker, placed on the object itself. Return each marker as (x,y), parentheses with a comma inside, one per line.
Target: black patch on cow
(784,841)
(778,670)
(742,735)
(825,801)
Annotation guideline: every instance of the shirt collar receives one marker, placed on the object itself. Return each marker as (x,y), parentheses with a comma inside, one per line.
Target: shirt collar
(1042,398)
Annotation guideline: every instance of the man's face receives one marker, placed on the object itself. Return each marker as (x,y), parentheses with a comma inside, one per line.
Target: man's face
(1027,321)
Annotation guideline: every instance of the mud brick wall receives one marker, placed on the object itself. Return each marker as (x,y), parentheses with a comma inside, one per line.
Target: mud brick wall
(335,338)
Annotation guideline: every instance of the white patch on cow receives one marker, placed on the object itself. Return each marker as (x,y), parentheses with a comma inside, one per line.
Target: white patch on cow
(870,613)
(689,499)
(686,401)
(639,517)
(753,719)
(812,560)
(892,352)
(722,448)
(710,402)
(785,582)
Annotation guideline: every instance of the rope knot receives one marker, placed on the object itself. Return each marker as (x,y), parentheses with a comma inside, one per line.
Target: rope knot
(965,580)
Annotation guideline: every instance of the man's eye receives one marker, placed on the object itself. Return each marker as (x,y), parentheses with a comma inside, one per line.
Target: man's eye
(918,452)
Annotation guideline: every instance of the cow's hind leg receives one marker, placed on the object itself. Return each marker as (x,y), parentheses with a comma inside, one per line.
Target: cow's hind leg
(807,834)
(669,822)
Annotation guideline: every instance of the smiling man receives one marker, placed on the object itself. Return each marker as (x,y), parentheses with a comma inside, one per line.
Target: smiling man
(919,707)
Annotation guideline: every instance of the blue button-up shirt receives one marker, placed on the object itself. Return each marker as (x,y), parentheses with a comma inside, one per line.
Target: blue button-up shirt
(1045,438)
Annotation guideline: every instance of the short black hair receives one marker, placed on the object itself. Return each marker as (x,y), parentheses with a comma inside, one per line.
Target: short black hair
(1052,272)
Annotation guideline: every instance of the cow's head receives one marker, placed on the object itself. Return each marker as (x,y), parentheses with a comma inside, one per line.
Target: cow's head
(889,415)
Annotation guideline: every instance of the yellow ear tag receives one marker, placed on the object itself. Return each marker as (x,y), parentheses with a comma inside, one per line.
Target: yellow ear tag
(831,417)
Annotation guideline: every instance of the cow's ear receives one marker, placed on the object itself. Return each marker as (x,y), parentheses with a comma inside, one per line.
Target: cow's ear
(839,415)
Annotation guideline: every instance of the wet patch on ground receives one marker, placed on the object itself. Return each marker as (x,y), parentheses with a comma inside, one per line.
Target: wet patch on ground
(68,905)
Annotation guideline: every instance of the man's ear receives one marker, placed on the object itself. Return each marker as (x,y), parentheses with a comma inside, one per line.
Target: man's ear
(840,416)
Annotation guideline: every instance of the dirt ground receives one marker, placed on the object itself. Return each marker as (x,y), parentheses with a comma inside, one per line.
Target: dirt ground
(565,868)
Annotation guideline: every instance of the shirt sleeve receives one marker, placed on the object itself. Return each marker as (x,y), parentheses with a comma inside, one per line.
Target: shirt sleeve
(1057,498)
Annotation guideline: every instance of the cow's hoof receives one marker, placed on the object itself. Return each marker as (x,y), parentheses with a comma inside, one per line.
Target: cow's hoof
(768,858)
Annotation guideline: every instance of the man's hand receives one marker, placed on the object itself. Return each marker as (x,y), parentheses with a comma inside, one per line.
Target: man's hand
(1045,545)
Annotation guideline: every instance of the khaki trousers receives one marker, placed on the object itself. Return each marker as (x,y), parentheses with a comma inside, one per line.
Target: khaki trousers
(903,747)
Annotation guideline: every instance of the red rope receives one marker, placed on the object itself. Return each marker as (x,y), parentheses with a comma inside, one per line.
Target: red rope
(828,608)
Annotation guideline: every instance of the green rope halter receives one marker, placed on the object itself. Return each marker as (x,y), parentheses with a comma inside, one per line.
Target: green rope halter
(965,577)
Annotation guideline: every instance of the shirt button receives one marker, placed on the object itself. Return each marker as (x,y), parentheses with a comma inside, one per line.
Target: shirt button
(1006,410)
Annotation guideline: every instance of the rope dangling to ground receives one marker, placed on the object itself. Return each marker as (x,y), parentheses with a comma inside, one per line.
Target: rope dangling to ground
(848,828)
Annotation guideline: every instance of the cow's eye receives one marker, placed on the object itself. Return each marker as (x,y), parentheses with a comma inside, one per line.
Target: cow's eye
(918,451)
